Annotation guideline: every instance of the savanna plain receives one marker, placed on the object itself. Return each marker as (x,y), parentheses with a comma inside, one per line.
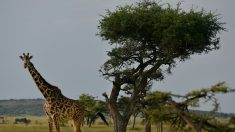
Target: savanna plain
(39,124)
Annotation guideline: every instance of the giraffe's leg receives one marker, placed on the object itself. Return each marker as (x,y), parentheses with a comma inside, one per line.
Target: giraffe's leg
(50,124)
(57,124)
(77,125)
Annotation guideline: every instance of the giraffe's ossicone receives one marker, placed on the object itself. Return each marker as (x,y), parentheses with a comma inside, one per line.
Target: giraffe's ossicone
(57,106)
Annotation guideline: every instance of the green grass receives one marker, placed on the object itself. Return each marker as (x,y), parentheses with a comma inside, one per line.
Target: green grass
(44,128)
(39,124)
(31,128)
(34,128)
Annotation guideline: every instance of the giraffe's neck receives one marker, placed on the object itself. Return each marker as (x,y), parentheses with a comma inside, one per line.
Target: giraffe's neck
(47,90)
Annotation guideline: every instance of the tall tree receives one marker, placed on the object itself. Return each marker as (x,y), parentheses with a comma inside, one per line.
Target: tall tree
(147,39)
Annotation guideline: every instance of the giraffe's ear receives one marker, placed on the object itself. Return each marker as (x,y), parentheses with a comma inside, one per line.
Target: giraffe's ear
(30,57)
(21,57)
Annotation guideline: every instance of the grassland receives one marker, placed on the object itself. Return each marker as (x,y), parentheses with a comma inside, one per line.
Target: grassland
(39,124)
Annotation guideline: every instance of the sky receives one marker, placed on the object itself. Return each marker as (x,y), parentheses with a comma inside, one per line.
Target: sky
(61,36)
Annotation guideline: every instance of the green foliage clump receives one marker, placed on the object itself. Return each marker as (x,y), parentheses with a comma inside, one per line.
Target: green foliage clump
(149,29)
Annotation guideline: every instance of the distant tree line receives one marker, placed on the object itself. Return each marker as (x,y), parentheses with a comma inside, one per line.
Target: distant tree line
(22,107)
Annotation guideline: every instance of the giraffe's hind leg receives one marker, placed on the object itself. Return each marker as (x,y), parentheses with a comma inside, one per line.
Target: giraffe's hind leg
(77,125)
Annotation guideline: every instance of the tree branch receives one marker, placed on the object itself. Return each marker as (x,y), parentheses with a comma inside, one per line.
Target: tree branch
(106,97)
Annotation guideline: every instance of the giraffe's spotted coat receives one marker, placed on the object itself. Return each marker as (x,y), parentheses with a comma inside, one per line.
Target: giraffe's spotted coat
(57,106)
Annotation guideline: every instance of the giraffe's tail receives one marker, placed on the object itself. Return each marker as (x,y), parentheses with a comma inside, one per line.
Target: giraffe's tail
(102,117)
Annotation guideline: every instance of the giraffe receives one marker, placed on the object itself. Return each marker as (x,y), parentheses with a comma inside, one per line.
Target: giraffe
(57,107)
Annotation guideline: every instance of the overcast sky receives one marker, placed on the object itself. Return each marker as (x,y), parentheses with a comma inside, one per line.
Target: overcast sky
(61,35)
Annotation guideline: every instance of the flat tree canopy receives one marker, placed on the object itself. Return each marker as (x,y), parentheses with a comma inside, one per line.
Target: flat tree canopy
(148,32)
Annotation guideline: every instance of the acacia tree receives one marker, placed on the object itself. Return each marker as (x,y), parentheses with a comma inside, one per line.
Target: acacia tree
(161,106)
(147,39)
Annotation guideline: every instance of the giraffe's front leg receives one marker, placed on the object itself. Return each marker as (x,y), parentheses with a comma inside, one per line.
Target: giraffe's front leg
(50,124)
(56,123)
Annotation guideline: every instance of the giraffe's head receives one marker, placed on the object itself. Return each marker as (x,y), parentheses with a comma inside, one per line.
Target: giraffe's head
(26,59)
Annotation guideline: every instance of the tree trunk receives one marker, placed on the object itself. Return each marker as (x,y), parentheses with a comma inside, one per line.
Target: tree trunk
(120,125)
(159,126)
(147,126)
(120,121)
(147,123)
(134,117)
